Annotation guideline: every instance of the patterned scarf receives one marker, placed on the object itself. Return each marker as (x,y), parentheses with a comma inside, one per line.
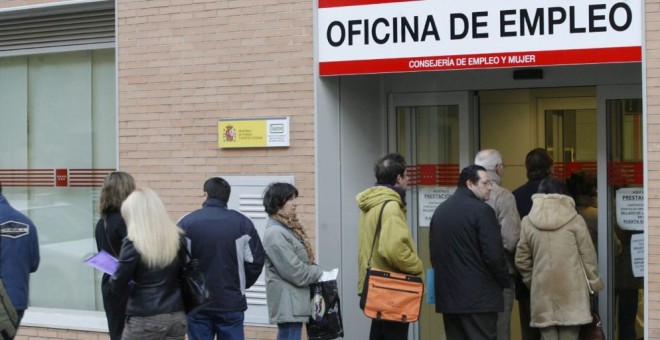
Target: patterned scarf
(292,222)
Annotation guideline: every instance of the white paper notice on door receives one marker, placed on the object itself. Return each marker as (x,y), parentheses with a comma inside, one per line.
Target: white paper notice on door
(630,208)
(637,254)
(430,198)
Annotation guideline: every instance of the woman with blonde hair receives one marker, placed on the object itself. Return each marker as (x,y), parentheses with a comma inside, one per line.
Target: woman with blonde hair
(149,266)
(110,231)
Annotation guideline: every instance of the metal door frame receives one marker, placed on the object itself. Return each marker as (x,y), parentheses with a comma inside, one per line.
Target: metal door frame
(606,302)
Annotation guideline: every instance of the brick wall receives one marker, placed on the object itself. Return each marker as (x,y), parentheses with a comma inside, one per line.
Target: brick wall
(184,64)
(652,99)
(35,333)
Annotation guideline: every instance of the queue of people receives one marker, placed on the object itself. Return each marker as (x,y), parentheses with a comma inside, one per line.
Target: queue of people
(485,244)
(481,254)
(142,299)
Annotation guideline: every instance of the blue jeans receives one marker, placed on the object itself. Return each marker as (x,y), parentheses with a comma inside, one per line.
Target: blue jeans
(289,331)
(206,325)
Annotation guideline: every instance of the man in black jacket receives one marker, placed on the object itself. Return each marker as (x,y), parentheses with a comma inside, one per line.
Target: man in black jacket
(468,259)
(231,257)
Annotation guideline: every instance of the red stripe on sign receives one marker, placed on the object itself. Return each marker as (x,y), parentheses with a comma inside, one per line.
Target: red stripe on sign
(80,178)
(345,3)
(87,177)
(27,177)
(483,61)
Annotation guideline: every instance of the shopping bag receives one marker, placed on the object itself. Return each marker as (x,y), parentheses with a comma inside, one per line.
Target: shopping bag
(194,292)
(325,323)
(391,296)
(8,316)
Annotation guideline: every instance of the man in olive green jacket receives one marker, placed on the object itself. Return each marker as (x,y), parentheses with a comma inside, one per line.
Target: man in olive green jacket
(394,249)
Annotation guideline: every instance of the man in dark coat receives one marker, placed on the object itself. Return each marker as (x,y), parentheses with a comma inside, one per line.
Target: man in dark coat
(231,257)
(538,163)
(468,259)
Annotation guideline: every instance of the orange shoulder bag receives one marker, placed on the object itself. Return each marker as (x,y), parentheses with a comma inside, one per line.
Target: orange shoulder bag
(388,295)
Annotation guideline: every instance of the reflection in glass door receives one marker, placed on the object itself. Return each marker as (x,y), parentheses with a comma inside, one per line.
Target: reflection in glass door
(625,197)
(435,145)
(428,132)
(570,137)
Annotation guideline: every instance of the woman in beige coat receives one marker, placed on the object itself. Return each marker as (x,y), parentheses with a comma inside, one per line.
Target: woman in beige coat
(553,256)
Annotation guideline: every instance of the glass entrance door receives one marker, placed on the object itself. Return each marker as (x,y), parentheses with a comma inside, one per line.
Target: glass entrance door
(433,131)
(622,186)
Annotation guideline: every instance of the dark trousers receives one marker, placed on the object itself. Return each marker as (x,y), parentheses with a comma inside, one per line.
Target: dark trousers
(388,330)
(115,311)
(471,326)
(207,324)
(525,313)
(167,326)
(627,316)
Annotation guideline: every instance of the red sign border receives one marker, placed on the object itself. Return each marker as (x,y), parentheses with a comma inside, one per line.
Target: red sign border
(625,54)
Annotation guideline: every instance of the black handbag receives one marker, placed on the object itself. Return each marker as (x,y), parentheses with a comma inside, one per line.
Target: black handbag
(594,329)
(194,292)
(325,323)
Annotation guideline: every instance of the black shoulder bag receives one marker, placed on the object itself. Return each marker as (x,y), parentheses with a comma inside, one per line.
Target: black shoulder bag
(194,292)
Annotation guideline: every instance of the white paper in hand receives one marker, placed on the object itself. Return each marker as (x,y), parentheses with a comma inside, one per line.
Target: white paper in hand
(329,276)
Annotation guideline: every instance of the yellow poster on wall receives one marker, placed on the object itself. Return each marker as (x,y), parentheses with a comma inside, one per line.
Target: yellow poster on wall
(253,133)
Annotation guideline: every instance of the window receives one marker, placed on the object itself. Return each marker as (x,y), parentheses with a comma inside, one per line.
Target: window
(59,140)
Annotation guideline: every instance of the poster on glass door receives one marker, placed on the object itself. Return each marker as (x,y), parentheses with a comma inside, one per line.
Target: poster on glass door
(430,198)
(637,254)
(630,208)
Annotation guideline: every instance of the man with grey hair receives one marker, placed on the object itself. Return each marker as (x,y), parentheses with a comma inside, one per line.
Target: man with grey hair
(504,204)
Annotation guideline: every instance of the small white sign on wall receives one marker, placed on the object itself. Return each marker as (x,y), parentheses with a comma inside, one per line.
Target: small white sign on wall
(630,208)
(429,198)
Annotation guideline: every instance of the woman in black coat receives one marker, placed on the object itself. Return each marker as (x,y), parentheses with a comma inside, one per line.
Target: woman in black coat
(110,231)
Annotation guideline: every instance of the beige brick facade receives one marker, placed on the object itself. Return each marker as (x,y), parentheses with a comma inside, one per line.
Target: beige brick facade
(185,64)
